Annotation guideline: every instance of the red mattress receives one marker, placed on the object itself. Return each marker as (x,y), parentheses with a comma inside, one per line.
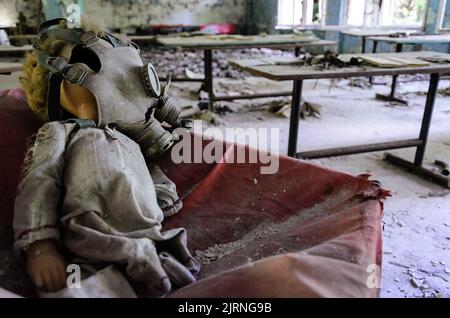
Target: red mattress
(306,231)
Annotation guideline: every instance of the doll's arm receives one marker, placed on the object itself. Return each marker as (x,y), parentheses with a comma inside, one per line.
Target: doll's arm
(166,191)
(36,205)
(46,265)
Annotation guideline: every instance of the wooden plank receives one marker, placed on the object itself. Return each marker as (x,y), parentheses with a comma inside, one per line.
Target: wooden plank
(9,49)
(380,61)
(23,37)
(337,28)
(265,61)
(285,73)
(409,61)
(142,38)
(236,41)
(414,39)
(226,46)
(295,72)
(392,61)
(374,32)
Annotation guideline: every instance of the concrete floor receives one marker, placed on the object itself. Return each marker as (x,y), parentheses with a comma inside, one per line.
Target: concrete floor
(417,216)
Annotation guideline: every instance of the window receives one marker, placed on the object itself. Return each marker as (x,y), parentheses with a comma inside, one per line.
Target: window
(355,12)
(300,12)
(289,12)
(404,13)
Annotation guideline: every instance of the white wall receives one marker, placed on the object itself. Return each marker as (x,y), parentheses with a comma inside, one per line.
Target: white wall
(132,13)
(146,12)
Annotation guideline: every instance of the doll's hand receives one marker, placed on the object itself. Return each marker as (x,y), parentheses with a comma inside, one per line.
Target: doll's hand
(46,266)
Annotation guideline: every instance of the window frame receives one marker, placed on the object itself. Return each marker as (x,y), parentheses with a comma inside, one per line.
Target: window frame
(440,17)
(390,26)
(305,5)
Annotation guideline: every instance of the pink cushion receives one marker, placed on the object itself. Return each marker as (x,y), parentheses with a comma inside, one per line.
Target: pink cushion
(17,123)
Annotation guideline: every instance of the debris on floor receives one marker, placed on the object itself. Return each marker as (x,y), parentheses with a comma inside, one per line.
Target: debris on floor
(185,63)
(444,91)
(206,116)
(283,109)
(309,109)
(395,104)
(359,82)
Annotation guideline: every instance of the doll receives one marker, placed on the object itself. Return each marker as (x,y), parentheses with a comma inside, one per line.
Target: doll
(88,193)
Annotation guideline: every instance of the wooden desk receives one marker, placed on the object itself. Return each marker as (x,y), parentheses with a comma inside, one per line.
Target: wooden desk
(399,42)
(364,34)
(141,38)
(338,28)
(8,68)
(413,39)
(216,42)
(300,73)
(226,42)
(23,37)
(15,50)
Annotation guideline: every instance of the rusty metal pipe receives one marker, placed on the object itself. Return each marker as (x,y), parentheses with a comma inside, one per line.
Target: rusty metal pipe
(342,151)
(437,178)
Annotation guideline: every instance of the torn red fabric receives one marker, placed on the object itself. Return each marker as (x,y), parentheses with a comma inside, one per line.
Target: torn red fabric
(306,231)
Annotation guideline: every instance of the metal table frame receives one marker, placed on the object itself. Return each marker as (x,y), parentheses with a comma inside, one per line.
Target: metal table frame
(208,81)
(420,143)
(391,97)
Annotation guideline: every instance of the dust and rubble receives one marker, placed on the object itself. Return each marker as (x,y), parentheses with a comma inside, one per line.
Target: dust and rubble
(183,63)
(418,279)
(307,109)
(263,231)
(206,116)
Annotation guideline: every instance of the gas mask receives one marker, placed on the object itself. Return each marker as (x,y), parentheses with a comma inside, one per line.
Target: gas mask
(125,90)
(153,138)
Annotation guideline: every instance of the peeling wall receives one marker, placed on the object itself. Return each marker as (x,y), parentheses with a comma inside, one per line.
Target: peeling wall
(262,16)
(7,13)
(132,13)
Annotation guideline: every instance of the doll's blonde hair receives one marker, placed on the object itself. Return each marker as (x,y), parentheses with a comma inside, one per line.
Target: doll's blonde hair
(35,77)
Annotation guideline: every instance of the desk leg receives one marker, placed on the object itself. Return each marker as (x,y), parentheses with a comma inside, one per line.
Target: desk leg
(416,167)
(374,50)
(295,117)
(398,49)
(363,46)
(391,97)
(209,79)
(375,46)
(431,96)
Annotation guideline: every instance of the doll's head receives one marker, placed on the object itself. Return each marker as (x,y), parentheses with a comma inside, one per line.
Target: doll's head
(76,73)
(75,99)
